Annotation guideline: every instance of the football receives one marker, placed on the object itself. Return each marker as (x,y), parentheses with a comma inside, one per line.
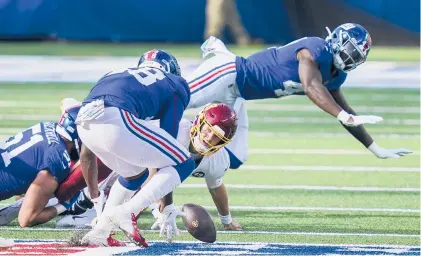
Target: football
(199,223)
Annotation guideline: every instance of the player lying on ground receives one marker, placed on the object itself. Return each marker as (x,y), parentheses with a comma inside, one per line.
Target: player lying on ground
(204,144)
(113,126)
(34,162)
(309,66)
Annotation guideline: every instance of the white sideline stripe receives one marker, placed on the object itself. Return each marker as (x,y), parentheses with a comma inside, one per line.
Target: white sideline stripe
(308,187)
(233,232)
(294,151)
(312,108)
(329,168)
(320,120)
(29,241)
(330,135)
(333,209)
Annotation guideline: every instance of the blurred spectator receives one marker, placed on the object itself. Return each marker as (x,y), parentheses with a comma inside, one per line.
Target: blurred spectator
(224,12)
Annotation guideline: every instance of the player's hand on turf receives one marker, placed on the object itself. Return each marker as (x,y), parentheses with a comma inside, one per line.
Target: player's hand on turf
(234,225)
(388,153)
(166,220)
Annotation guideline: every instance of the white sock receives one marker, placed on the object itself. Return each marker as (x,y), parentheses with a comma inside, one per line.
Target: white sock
(117,195)
(59,208)
(162,183)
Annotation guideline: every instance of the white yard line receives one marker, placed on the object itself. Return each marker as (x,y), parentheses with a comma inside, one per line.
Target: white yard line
(328,168)
(256,106)
(305,208)
(311,108)
(328,209)
(307,187)
(294,151)
(234,232)
(320,120)
(265,120)
(330,135)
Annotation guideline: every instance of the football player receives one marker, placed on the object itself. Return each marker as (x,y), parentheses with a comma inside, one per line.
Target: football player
(309,66)
(34,162)
(113,126)
(205,139)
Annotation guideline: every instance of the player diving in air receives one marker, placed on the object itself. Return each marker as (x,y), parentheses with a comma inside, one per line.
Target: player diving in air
(309,66)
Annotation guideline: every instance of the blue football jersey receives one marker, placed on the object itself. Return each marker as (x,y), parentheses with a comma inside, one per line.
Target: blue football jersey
(147,93)
(273,72)
(24,155)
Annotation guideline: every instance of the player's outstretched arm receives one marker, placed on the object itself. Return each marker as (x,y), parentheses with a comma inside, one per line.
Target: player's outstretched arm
(311,79)
(33,209)
(89,166)
(220,198)
(360,133)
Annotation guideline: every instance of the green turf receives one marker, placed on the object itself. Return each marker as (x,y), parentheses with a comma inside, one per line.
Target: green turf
(322,178)
(179,50)
(42,100)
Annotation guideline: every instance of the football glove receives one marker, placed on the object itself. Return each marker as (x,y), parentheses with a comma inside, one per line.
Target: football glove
(343,116)
(166,220)
(388,153)
(99,203)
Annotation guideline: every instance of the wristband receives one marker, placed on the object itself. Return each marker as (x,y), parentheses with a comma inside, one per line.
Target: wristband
(226,220)
(343,116)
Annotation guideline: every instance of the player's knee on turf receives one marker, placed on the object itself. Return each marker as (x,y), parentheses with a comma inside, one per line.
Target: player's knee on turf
(26,220)
(185,169)
(235,162)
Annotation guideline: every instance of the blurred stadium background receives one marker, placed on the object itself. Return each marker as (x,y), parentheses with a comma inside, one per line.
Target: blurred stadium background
(306,180)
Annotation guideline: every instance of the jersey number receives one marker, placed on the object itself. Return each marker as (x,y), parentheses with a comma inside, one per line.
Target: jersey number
(143,75)
(8,155)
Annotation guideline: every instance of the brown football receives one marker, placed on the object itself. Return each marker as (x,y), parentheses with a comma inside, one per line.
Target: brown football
(199,223)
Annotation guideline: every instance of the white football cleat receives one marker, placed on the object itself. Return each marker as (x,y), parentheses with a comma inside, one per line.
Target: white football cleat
(98,238)
(128,224)
(213,45)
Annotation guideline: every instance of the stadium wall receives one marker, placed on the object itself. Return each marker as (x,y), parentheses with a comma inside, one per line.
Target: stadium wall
(182,21)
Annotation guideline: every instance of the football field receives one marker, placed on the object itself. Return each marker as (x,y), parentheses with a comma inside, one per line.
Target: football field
(306,181)
(308,186)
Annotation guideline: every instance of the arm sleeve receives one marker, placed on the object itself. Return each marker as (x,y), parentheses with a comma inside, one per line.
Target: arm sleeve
(170,119)
(337,81)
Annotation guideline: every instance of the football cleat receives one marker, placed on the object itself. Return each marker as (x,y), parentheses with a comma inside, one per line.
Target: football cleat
(95,237)
(129,227)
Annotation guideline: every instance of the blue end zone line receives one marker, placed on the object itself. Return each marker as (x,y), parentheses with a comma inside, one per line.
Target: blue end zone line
(232,242)
(236,232)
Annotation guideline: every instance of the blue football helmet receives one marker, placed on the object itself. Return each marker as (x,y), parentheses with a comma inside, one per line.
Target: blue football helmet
(160,59)
(66,126)
(350,45)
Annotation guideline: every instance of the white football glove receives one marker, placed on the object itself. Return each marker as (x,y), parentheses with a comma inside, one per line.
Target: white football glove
(343,116)
(99,203)
(167,221)
(388,153)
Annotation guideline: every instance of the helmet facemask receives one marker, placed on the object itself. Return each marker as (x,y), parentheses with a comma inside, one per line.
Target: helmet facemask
(347,55)
(196,136)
